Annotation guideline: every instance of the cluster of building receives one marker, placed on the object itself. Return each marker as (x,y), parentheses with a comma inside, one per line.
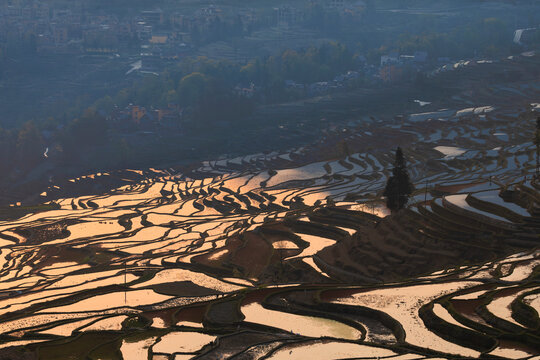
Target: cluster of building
(138,118)
(525,36)
(59,30)
(287,16)
(395,67)
(322,87)
(74,29)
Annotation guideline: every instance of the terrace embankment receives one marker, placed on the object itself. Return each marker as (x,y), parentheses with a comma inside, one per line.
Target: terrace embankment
(293,254)
(402,246)
(329,277)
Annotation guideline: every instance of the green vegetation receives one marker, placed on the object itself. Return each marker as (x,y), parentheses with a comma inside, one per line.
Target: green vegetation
(489,37)
(204,88)
(200,83)
(399,186)
(537,143)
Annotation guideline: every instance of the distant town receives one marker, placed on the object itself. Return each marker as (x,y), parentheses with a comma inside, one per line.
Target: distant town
(73,29)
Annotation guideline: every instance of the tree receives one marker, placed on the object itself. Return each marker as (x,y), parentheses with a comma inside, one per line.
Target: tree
(399,186)
(29,145)
(537,143)
(192,88)
(90,129)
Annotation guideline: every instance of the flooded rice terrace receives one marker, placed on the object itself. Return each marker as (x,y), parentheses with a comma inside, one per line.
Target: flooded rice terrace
(235,261)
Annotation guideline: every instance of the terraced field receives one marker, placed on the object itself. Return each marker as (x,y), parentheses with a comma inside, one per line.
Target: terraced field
(290,254)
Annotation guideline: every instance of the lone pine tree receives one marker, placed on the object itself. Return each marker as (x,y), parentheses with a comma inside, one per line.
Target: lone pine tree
(537,143)
(399,186)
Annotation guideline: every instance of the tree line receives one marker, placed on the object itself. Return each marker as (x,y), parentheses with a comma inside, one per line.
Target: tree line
(204,85)
(204,88)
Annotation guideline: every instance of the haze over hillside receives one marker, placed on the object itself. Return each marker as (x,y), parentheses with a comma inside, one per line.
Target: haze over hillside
(325,179)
